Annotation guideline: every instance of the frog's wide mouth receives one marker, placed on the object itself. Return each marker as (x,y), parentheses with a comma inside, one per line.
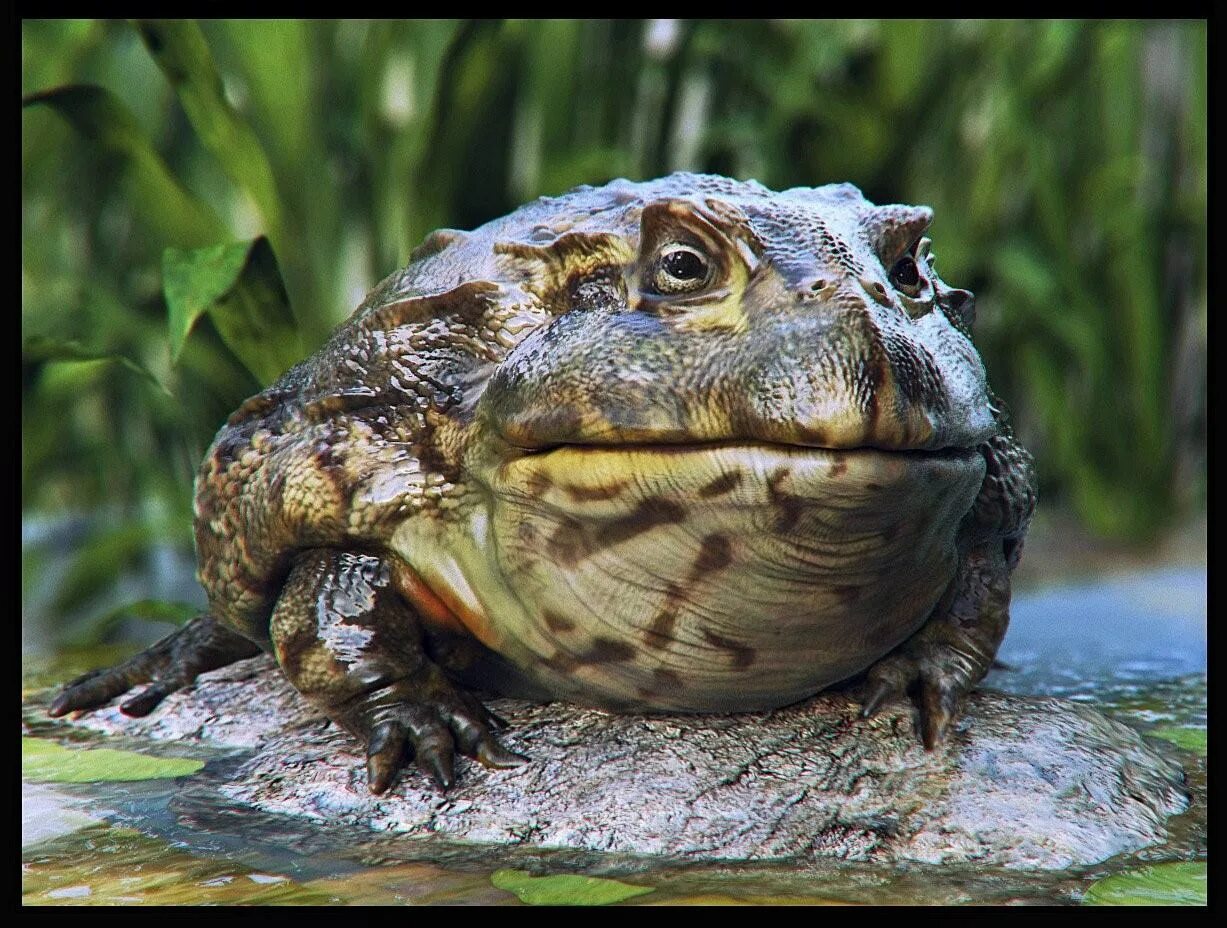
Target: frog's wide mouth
(681,447)
(598,480)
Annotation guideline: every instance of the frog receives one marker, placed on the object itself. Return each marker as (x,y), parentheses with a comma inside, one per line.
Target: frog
(686,445)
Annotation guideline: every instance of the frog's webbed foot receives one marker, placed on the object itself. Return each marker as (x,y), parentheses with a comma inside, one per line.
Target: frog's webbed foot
(952,652)
(353,646)
(171,664)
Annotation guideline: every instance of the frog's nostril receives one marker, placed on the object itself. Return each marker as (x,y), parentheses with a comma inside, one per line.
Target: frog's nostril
(805,293)
(876,290)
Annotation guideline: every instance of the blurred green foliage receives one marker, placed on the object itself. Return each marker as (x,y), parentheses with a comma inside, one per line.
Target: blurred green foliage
(1066,162)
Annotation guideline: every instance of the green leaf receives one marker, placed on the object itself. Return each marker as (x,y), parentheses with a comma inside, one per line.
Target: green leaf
(182,53)
(565,889)
(170,211)
(48,762)
(461,124)
(1181,883)
(51,49)
(399,97)
(240,287)
(279,64)
(44,348)
(906,69)
(276,69)
(180,50)
(1191,739)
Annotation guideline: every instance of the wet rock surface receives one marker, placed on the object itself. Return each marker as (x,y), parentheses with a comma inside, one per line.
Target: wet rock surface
(1023,782)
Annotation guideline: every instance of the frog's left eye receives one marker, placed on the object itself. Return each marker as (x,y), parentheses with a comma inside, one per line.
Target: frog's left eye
(680,268)
(905,275)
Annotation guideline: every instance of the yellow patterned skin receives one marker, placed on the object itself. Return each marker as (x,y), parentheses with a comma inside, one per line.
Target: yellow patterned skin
(682,445)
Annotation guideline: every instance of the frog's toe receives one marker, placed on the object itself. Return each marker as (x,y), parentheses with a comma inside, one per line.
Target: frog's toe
(91,690)
(384,750)
(396,728)
(494,720)
(435,749)
(168,665)
(151,697)
(430,720)
(426,738)
(491,754)
(471,723)
(940,701)
(888,680)
(938,689)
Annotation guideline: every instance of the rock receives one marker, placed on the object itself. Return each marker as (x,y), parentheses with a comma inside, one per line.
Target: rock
(1022,782)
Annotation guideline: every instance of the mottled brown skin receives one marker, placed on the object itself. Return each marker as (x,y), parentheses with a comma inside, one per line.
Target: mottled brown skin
(685,445)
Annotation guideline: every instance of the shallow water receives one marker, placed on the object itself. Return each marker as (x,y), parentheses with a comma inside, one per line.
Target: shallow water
(1135,645)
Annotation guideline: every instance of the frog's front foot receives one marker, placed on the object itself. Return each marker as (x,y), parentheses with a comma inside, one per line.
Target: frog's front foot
(430,716)
(171,664)
(952,652)
(348,641)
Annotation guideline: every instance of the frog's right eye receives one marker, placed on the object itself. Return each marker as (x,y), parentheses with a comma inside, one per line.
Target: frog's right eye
(905,274)
(680,268)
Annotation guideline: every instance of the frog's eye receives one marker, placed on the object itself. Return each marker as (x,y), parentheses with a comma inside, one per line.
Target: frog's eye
(905,275)
(680,269)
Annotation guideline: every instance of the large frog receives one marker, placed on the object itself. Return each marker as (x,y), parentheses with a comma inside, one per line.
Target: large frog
(688,445)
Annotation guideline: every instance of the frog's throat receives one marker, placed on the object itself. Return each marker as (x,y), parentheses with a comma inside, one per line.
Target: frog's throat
(704,578)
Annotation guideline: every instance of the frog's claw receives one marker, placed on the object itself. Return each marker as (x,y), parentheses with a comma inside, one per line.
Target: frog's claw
(942,663)
(889,679)
(405,724)
(383,754)
(939,693)
(348,641)
(171,664)
(941,701)
(429,717)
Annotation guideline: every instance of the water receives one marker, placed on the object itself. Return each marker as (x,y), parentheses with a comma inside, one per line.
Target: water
(1134,645)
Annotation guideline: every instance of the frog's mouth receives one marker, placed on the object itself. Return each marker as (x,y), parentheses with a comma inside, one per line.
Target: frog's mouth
(708,576)
(574,476)
(586,500)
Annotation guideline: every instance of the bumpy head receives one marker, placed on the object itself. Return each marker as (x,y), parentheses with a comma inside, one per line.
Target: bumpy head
(702,309)
(691,436)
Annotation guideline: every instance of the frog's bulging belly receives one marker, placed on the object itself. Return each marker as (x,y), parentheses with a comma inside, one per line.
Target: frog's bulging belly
(704,578)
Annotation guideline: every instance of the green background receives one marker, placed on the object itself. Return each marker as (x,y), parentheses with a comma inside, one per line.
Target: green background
(1066,163)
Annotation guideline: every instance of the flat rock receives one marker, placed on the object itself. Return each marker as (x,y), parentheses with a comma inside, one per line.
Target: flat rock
(1022,782)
